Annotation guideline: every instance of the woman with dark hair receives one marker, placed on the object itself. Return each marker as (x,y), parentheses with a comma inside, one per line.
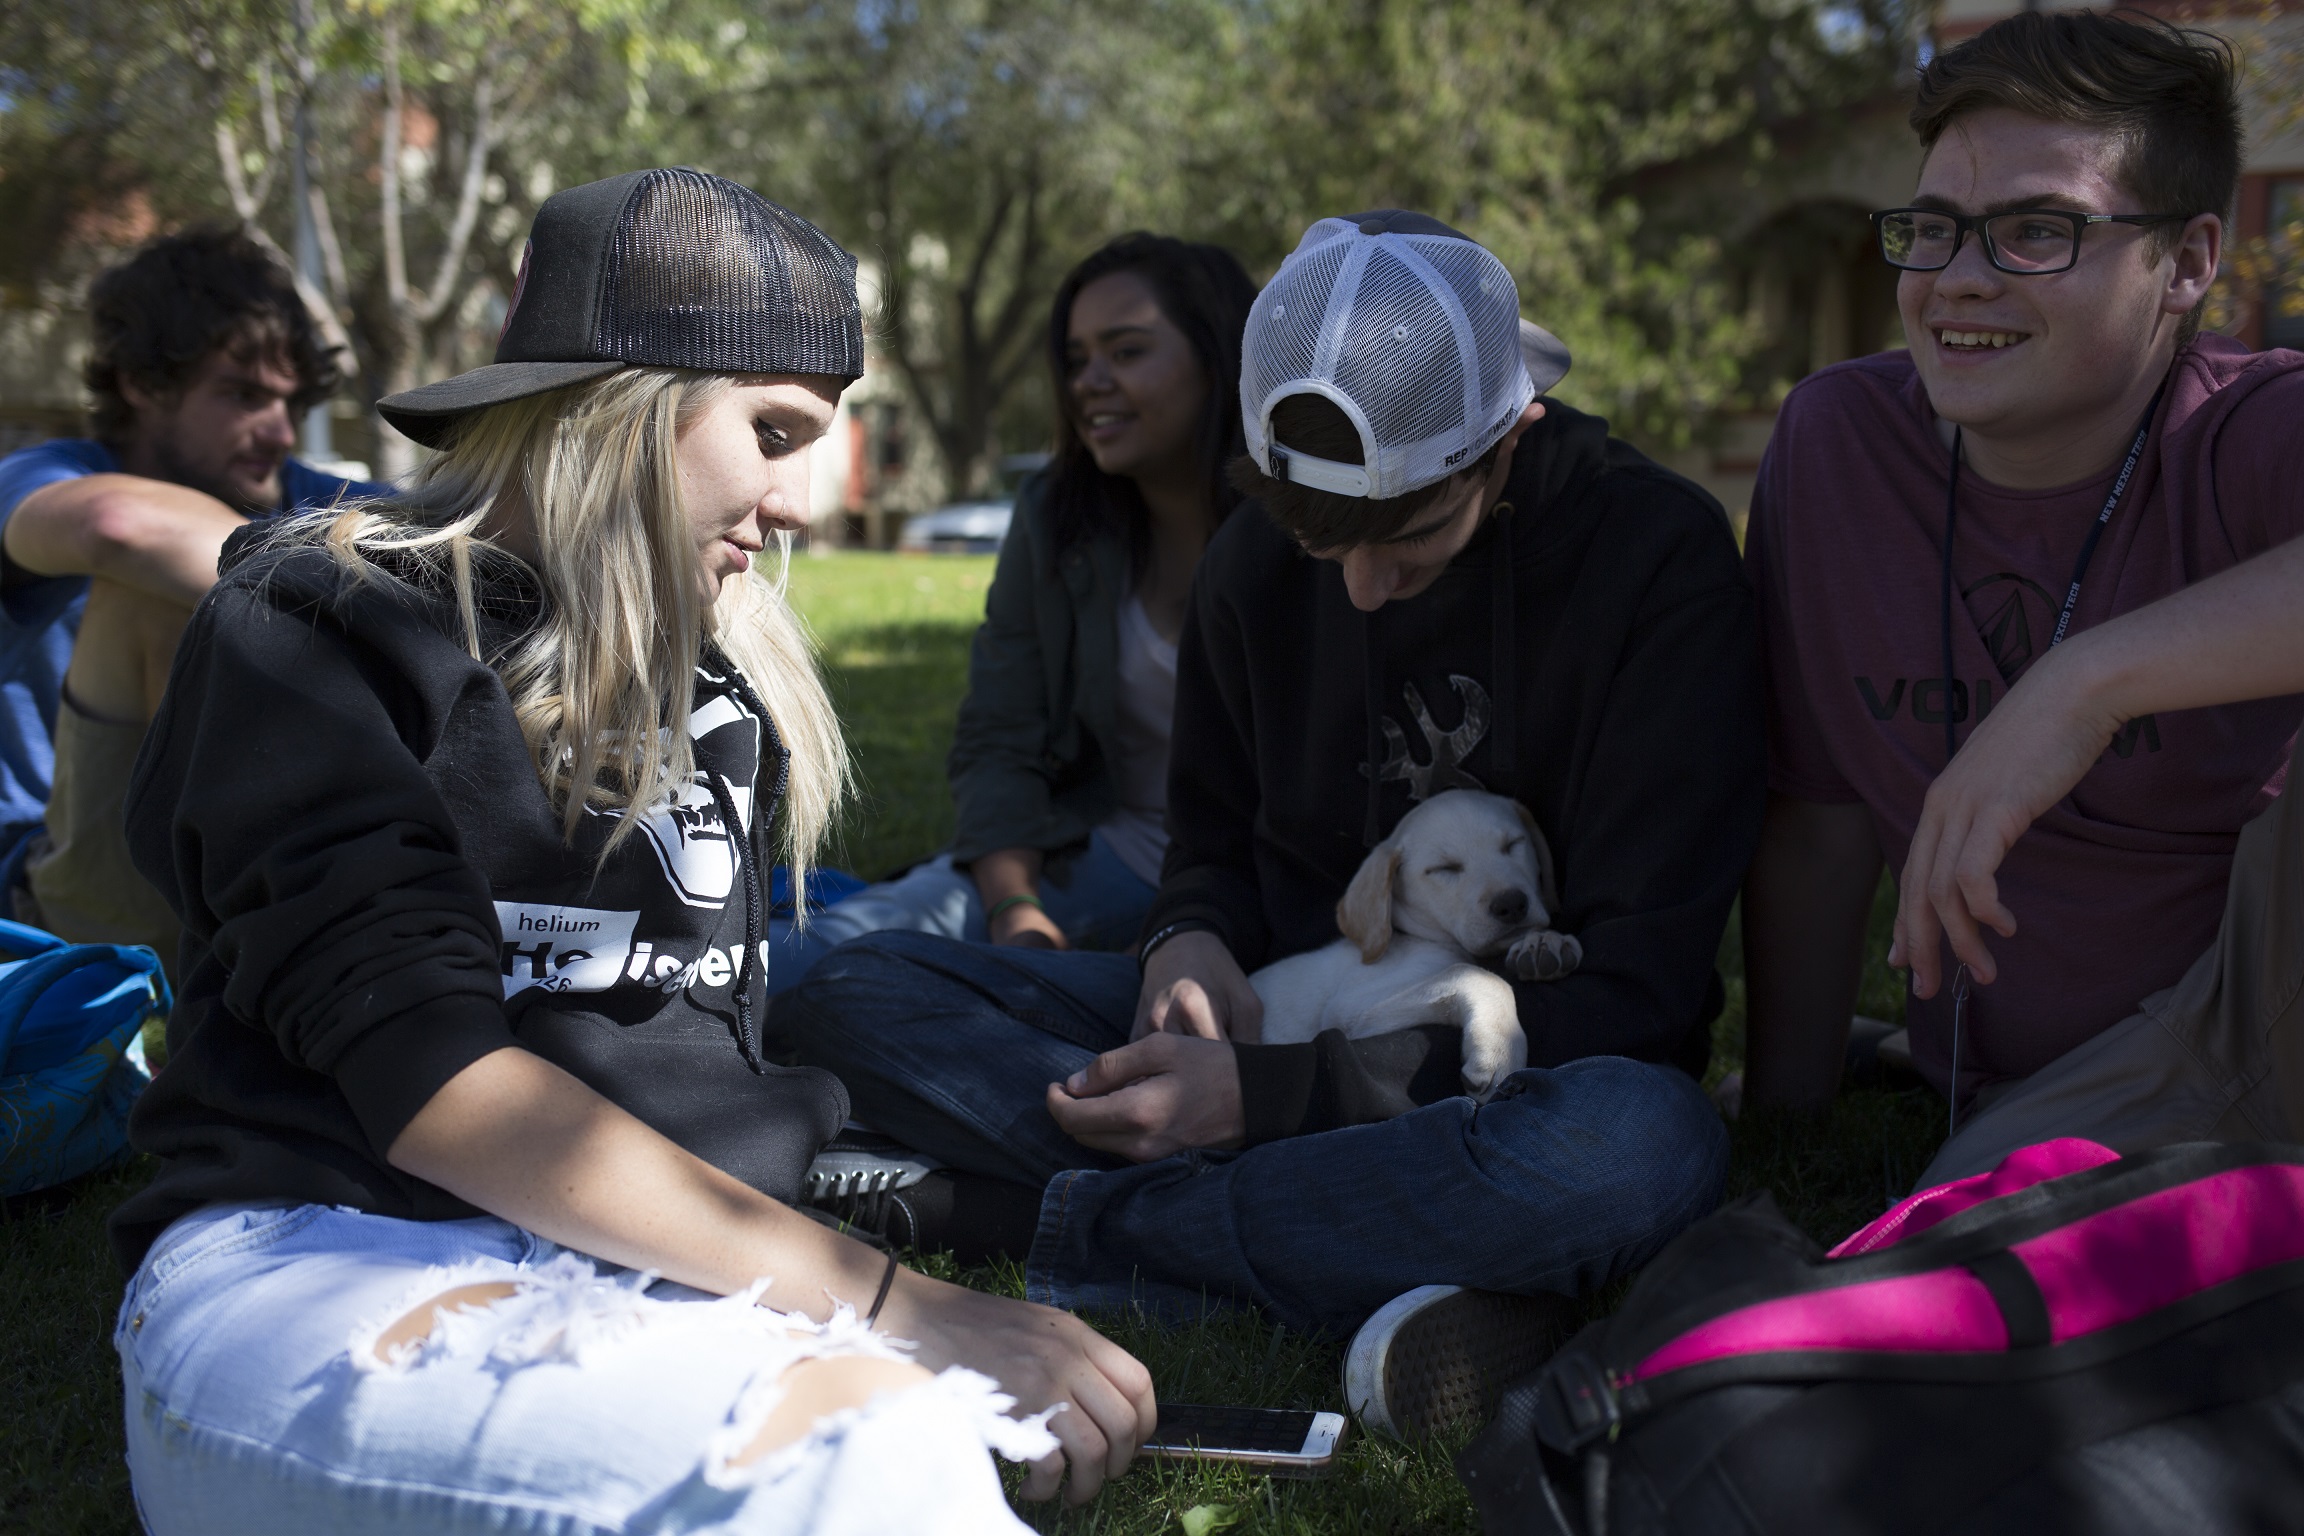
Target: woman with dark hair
(1060,761)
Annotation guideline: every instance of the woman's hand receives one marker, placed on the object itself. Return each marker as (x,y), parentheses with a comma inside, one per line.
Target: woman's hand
(1039,1356)
(522,1139)
(1008,883)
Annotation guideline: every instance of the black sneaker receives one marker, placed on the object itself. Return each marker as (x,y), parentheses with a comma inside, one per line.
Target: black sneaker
(875,1188)
(854,1181)
(1440,1356)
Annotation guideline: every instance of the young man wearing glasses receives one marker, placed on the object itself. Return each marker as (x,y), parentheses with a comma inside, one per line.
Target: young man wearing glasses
(2059,446)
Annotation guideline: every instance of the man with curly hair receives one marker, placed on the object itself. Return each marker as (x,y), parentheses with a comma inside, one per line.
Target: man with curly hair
(202,357)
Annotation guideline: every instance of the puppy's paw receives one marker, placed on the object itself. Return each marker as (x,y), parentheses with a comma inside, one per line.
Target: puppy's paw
(1492,1053)
(1545,955)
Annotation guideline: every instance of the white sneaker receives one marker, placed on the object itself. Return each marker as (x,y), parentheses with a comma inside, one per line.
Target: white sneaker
(1440,1356)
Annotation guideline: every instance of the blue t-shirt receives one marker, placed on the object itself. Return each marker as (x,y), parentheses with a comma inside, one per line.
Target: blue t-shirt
(40,619)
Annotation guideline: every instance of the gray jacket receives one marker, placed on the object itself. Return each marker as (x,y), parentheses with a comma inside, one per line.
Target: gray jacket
(1036,730)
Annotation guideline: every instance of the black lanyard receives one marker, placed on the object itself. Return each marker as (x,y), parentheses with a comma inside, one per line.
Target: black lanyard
(2079,568)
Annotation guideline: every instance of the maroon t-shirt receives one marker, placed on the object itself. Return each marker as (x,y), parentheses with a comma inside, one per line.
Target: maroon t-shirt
(2120,886)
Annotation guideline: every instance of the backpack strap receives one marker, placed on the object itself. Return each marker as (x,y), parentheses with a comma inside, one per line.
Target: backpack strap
(24,941)
(2008,1280)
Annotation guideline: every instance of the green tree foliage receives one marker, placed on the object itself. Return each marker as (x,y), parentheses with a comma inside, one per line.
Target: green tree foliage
(436,128)
(1524,124)
(93,102)
(2265,272)
(968,150)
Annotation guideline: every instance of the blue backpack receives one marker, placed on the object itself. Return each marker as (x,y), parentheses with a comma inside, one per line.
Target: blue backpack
(71,1056)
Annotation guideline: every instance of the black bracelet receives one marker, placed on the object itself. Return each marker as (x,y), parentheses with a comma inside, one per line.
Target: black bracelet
(880,1299)
(1182,925)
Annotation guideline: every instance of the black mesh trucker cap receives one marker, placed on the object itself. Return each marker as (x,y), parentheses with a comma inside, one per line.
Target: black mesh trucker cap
(664,269)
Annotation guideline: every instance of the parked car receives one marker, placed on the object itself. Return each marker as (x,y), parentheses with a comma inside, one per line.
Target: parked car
(963,528)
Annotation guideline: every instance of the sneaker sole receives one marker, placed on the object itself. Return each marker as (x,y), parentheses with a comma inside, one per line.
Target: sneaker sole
(1440,1356)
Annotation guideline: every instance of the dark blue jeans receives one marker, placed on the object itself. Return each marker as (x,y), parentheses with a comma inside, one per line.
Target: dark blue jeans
(1564,1180)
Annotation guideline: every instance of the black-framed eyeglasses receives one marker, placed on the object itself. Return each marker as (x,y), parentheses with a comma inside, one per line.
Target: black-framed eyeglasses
(2025,242)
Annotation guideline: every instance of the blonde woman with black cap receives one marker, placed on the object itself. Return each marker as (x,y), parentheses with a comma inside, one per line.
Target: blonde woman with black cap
(475,1194)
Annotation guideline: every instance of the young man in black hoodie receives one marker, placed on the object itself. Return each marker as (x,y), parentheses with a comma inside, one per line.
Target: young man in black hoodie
(1450,583)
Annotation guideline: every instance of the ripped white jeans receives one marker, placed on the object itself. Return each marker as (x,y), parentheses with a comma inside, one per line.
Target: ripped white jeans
(588,1402)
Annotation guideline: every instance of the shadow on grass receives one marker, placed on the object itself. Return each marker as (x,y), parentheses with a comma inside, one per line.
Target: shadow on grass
(62,1466)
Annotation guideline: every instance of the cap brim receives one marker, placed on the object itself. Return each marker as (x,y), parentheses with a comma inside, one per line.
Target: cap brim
(429,414)
(1545,355)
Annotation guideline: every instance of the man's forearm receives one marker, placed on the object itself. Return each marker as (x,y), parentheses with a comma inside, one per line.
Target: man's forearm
(1807,899)
(2238,635)
(2234,637)
(150,535)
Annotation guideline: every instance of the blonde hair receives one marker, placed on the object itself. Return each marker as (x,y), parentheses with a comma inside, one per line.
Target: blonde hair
(602,685)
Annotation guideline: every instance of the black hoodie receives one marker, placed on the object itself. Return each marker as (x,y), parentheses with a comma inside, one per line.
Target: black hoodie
(1603,672)
(337,800)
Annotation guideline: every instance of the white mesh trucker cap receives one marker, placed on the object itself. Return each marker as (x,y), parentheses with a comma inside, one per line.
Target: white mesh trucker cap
(1413,331)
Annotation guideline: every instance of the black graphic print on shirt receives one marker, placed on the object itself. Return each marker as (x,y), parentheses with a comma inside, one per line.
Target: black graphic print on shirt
(658,908)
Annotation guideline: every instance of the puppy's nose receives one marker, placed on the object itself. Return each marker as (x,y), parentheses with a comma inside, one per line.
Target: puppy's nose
(1509,906)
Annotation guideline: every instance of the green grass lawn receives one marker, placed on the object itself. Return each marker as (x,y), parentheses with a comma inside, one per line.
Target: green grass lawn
(895,633)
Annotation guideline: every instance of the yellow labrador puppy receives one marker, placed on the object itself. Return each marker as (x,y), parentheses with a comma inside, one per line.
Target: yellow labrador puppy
(1464,877)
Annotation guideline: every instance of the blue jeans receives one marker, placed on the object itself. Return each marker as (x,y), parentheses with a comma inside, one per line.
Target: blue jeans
(1566,1179)
(1100,905)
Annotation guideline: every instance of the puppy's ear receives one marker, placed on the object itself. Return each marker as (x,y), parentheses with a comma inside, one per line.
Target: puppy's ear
(1547,889)
(1365,914)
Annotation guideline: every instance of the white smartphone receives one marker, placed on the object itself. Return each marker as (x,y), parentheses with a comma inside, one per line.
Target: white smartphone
(1287,1442)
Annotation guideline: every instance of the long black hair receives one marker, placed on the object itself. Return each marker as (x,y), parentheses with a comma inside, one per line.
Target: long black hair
(1205,293)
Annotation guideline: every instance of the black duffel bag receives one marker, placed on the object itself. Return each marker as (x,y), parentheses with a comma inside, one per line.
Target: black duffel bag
(2114,1350)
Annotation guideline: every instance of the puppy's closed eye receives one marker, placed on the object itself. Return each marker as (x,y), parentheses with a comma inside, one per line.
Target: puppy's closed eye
(1449,868)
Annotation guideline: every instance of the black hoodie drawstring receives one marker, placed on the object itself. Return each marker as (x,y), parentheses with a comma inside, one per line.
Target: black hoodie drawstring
(749,872)
(1504,660)
(747,864)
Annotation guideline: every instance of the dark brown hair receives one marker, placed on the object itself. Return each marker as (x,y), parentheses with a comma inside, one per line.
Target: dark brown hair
(160,315)
(1327,520)
(2167,94)
(1205,293)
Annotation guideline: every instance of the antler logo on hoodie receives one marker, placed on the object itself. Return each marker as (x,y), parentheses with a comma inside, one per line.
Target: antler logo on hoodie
(1448,749)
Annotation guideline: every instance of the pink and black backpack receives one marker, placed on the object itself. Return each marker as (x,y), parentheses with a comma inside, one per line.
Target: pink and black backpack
(2074,1342)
